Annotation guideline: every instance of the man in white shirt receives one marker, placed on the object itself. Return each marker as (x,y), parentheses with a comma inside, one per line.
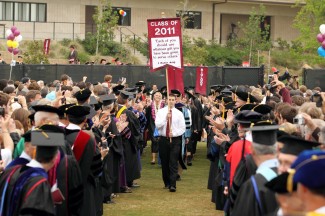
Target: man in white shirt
(170,123)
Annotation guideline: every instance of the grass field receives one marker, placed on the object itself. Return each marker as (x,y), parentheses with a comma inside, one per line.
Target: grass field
(192,196)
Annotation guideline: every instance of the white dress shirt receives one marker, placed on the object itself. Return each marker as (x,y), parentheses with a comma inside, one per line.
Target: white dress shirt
(73,127)
(177,124)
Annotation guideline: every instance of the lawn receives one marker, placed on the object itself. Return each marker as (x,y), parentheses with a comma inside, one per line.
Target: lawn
(192,196)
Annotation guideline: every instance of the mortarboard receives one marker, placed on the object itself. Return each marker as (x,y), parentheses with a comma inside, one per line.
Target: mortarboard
(247,117)
(83,94)
(294,145)
(217,88)
(47,108)
(133,90)
(93,100)
(163,89)
(176,92)
(20,56)
(280,184)
(309,169)
(244,94)
(116,89)
(264,133)
(46,138)
(64,107)
(31,117)
(146,91)
(189,95)
(108,63)
(27,136)
(107,99)
(78,111)
(260,108)
(179,105)
(140,83)
(126,94)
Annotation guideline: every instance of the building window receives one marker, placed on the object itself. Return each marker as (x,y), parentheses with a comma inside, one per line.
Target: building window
(20,11)
(123,20)
(192,19)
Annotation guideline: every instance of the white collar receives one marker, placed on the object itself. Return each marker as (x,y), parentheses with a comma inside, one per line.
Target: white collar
(35,164)
(61,124)
(25,156)
(73,127)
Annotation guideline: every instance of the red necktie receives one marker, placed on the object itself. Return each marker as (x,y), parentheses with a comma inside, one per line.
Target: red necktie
(169,122)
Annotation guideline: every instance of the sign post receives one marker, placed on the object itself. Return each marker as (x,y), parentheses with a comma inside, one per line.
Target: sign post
(165,46)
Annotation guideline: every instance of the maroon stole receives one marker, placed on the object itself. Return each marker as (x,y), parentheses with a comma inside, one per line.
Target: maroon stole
(79,144)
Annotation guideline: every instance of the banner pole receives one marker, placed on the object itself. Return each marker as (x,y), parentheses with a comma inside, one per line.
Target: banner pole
(168,122)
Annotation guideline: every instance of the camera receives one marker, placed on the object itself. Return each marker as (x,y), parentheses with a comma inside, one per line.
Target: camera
(2,111)
(268,86)
(57,87)
(15,99)
(299,120)
(317,98)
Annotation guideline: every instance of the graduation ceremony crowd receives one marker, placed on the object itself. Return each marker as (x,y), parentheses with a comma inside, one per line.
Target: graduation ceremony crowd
(68,148)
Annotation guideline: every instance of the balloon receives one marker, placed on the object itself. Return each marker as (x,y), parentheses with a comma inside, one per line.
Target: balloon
(13,29)
(15,51)
(320,38)
(322,28)
(15,44)
(9,43)
(124,14)
(8,32)
(10,49)
(19,38)
(11,37)
(323,44)
(321,51)
(16,33)
(121,12)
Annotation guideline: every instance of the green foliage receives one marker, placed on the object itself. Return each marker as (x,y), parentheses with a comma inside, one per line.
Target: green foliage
(34,53)
(307,21)
(283,44)
(106,22)
(66,42)
(254,38)
(89,43)
(140,45)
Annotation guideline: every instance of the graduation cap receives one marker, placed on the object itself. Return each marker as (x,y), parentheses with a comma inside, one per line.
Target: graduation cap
(264,132)
(27,136)
(309,169)
(47,108)
(51,128)
(294,145)
(244,95)
(189,95)
(31,117)
(217,88)
(146,91)
(78,111)
(45,138)
(126,94)
(153,93)
(133,90)
(93,100)
(83,94)
(260,108)
(64,107)
(163,89)
(86,63)
(108,63)
(179,105)
(280,184)
(116,89)
(140,83)
(107,99)
(176,92)
(20,56)
(247,117)
(226,91)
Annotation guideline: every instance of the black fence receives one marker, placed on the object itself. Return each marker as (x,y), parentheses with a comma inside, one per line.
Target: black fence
(314,78)
(133,73)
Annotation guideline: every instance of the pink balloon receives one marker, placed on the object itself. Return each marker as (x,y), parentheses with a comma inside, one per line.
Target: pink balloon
(11,37)
(13,29)
(15,51)
(323,44)
(10,49)
(16,33)
(320,38)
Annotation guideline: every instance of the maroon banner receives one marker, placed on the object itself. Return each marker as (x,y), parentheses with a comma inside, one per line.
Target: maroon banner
(201,80)
(165,43)
(47,43)
(175,79)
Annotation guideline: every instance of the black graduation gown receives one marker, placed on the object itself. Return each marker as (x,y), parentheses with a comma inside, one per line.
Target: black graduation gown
(150,121)
(246,203)
(35,197)
(71,186)
(132,166)
(88,166)
(111,162)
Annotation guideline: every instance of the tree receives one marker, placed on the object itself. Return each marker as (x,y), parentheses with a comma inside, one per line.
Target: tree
(254,36)
(307,21)
(106,22)
(34,53)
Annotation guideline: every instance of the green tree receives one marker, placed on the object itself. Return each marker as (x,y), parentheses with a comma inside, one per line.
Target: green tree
(34,53)
(307,21)
(254,37)
(106,22)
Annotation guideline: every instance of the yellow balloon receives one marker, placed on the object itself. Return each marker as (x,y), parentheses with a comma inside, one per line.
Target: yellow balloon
(9,43)
(15,44)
